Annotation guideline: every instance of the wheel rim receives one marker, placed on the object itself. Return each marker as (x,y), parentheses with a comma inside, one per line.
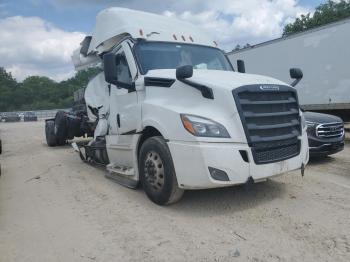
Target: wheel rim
(154,171)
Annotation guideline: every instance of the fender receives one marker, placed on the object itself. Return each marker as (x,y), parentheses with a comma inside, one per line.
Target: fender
(157,125)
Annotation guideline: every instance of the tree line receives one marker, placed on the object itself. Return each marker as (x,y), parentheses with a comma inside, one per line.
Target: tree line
(331,11)
(40,92)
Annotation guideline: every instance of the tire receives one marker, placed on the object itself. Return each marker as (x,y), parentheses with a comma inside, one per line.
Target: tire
(157,173)
(61,128)
(50,133)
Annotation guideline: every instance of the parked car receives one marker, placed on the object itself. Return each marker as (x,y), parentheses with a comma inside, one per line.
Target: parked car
(21,115)
(325,134)
(30,116)
(11,117)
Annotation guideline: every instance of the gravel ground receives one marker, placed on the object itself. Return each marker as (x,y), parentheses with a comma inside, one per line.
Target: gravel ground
(53,207)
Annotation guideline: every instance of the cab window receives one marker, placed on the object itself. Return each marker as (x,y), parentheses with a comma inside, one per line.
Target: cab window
(123,71)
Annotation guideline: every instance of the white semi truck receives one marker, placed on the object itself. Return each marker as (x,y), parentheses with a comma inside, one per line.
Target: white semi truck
(169,111)
(322,53)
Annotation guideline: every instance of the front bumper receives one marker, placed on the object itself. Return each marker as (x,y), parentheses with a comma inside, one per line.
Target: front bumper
(325,146)
(326,149)
(192,161)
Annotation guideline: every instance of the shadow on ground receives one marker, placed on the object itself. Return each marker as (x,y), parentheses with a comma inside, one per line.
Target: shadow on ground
(230,199)
(317,161)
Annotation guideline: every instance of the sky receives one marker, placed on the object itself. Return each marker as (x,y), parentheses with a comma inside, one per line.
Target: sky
(37,37)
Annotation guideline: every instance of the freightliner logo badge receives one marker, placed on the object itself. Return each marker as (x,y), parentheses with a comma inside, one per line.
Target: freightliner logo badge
(269,88)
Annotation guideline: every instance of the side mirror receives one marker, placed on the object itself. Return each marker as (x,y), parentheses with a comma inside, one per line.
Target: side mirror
(110,68)
(85,45)
(297,74)
(240,66)
(184,72)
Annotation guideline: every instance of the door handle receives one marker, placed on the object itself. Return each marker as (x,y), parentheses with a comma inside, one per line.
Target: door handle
(118,120)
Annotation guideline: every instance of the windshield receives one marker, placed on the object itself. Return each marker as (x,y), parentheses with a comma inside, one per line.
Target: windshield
(161,55)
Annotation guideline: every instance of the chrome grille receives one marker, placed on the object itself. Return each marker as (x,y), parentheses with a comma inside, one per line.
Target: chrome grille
(271,121)
(330,130)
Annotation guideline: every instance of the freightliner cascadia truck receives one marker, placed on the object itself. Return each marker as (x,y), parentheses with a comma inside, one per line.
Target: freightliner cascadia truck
(168,111)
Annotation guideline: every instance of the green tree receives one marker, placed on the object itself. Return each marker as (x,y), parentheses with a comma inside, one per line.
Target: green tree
(38,92)
(328,12)
(8,86)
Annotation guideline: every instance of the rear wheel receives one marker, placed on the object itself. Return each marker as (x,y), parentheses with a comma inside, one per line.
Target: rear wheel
(157,173)
(61,128)
(50,133)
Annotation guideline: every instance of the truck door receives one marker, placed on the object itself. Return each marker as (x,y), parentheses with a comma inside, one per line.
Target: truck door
(128,110)
(125,112)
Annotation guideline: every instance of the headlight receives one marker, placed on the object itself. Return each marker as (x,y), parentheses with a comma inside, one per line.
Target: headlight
(310,124)
(200,126)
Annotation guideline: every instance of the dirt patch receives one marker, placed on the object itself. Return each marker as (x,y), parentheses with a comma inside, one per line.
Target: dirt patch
(53,207)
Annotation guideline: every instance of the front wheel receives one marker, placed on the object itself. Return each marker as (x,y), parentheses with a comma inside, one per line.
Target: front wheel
(157,173)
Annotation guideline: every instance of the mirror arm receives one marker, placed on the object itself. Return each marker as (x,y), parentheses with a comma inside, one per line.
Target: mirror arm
(185,72)
(207,92)
(295,82)
(124,85)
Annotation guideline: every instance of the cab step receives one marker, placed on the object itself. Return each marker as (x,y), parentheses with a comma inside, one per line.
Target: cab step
(122,170)
(122,175)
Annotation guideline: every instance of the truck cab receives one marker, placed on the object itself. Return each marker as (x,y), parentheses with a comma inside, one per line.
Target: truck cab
(175,115)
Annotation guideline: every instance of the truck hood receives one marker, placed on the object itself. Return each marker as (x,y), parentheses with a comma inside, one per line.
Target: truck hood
(321,118)
(217,78)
